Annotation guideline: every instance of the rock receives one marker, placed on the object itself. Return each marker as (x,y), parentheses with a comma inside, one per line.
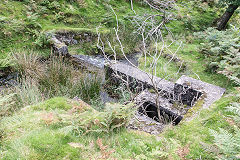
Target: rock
(137,78)
(60,48)
(143,123)
(62,39)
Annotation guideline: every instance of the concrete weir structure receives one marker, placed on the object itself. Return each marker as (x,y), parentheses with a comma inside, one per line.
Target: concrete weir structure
(168,104)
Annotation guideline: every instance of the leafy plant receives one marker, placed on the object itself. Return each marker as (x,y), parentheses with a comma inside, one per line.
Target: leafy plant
(31,22)
(42,40)
(228,142)
(115,116)
(234,108)
(221,49)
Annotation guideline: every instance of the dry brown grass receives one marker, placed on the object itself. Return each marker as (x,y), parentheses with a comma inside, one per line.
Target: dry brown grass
(28,64)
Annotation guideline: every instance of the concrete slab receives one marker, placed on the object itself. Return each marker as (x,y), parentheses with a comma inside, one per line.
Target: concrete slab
(211,93)
(144,79)
(142,122)
(89,61)
(146,96)
(176,98)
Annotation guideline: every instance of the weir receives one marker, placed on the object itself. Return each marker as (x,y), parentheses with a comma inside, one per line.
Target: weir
(173,101)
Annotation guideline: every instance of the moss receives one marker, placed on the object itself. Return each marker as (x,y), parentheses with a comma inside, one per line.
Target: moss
(194,109)
(66,29)
(54,103)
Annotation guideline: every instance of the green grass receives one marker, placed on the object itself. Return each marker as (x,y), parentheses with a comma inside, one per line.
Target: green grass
(76,50)
(196,132)
(44,133)
(21,30)
(192,16)
(55,103)
(52,130)
(164,69)
(193,60)
(197,67)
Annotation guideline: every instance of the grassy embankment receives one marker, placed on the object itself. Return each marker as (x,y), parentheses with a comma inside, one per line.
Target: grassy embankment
(60,128)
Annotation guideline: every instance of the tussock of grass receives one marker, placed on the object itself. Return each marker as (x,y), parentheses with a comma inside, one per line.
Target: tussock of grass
(55,77)
(7,104)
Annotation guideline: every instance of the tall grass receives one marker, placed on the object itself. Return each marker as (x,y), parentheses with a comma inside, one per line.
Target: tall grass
(87,87)
(28,93)
(28,64)
(7,104)
(54,77)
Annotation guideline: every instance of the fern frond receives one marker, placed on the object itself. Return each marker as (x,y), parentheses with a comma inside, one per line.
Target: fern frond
(225,141)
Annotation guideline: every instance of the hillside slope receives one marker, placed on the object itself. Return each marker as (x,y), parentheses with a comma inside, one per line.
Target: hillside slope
(54,111)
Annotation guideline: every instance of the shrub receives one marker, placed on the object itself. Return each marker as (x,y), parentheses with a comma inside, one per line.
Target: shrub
(221,49)
(228,142)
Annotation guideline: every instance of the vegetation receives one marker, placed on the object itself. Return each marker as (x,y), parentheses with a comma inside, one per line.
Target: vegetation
(221,49)
(26,21)
(228,142)
(61,127)
(55,110)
